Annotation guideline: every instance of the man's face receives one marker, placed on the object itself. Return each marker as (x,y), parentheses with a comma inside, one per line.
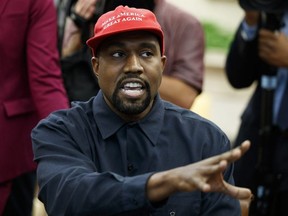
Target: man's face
(129,68)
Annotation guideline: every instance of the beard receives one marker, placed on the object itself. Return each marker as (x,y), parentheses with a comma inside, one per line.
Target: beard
(131,106)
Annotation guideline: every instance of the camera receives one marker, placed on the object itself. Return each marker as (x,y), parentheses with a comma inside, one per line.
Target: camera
(268,6)
(271,11)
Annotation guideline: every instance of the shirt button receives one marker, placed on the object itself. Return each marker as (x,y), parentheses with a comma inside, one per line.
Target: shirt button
(130,167)
(135,202)
(172,213)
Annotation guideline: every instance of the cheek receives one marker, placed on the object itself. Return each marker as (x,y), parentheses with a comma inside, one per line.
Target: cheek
(155,79)
(107,77)
(105,81)
(158,72)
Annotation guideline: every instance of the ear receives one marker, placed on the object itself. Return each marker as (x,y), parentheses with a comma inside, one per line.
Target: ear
(95,65)
(163,60)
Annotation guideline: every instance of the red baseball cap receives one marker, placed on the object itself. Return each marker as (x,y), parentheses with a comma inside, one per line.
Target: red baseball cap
(125,19)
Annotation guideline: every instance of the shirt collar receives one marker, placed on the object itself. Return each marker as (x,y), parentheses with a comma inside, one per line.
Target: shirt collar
(152,123)
(109,122)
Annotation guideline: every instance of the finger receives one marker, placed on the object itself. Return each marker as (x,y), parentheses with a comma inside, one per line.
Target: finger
(204,174)
(237,192)
(85,8)
(236,153)
(266,46)
(79,6)
(214,169)
(89,9)
(206,170)
(245,146)
(229,156)
(267,34)
(264,53)
(202,185)
(282,36)
(205,188)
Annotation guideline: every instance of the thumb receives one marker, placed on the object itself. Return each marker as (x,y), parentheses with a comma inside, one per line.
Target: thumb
(239,193)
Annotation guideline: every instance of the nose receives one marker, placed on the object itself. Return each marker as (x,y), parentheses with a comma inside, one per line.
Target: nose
(133,64)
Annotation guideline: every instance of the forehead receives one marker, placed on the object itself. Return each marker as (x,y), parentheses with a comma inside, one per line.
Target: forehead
(131,37)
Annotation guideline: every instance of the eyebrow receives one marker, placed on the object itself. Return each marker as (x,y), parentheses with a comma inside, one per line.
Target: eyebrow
(150,45)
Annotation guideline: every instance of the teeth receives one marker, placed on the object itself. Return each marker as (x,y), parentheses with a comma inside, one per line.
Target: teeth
(133,89)
(132,85)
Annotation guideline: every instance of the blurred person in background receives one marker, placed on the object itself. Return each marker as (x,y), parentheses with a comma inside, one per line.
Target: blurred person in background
(259,54)
(31,87)
(184,39)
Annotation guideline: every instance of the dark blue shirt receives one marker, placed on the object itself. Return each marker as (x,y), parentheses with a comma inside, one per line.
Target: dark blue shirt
(92,162)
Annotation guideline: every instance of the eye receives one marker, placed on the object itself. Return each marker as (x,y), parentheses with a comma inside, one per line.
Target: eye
(118,54)
(146,54)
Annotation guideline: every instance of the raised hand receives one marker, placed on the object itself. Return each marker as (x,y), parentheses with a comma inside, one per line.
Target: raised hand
(205,175)
(273,47)
(85,8)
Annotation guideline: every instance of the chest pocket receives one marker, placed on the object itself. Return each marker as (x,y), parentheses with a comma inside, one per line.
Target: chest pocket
(19,107)
(187,204)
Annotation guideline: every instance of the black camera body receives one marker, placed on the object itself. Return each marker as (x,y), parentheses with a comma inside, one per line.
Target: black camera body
(268,6)
(271,11)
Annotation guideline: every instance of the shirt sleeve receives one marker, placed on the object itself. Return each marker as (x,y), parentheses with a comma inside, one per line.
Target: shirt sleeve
(243,65)
(69,181)
(70,30)
(184,44)
(189,54)
(44,71)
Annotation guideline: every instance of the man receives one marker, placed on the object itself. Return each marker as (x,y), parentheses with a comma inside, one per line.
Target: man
(127,151)
(184,38)
(258,54)
(31,87)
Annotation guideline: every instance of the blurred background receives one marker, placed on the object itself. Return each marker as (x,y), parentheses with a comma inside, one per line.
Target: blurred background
(218,102)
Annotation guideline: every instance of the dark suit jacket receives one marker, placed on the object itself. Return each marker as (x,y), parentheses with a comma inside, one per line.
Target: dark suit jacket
(244,67)
(30,79)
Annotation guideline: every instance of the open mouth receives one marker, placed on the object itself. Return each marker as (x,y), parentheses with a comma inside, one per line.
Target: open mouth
(133,88)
